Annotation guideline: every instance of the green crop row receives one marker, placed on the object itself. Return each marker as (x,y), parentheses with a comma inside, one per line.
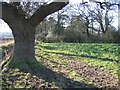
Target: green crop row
(100,55)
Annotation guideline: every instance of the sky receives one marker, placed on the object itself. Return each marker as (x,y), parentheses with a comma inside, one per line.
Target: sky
(5,28)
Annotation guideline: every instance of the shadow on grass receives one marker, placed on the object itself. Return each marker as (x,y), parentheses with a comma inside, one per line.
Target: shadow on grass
(49,47)
(86,56)
(59,79)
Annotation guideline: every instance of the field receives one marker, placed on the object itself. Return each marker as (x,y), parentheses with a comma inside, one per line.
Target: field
(100,55)
(77,65)
(6,42)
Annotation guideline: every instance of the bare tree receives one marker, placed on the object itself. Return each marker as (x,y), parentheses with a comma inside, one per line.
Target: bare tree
(102,16)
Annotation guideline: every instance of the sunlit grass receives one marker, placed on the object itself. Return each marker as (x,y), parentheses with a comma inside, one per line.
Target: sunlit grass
(100,55)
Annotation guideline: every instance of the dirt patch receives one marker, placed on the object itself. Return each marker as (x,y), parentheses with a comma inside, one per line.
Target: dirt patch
(100,77)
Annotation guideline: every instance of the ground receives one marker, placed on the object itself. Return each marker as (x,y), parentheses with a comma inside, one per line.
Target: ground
(69,65)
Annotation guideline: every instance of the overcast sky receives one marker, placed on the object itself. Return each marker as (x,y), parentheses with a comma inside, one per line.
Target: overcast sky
(4,27)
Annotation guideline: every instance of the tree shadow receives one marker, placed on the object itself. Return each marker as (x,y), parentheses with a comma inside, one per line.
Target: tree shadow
(103,59)
(86,56)
(49,47)
(59,79)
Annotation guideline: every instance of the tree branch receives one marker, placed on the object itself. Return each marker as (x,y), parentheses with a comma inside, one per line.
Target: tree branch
(44,11)
(16,4)
(93,28)
(10,13)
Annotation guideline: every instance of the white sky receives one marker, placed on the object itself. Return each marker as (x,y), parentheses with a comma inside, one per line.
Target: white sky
(4,26)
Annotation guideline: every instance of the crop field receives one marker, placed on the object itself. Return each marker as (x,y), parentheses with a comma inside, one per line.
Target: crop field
(100,55)
(76,65)
(74,55)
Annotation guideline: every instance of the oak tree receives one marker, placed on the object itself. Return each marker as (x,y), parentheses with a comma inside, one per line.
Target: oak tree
(22,17)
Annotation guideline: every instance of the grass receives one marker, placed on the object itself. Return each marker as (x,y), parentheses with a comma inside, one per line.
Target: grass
(1,51)
(100,55)
(54,69)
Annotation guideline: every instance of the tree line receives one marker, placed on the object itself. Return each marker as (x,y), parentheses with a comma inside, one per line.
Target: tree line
(82,22)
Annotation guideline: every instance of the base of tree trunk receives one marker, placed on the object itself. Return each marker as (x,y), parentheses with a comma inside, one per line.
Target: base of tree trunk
(31,65)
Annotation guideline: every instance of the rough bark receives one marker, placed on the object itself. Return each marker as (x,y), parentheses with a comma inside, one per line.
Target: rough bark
(24,45)
(24,32)
(24,53)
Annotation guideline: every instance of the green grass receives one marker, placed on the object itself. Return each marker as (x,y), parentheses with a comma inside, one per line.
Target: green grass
(0,51)
(99,55)
(53,59)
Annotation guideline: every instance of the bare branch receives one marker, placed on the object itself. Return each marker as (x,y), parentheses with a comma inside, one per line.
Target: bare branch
(16,4)
(44,11)
(93,29)
(8,11)
(10,14)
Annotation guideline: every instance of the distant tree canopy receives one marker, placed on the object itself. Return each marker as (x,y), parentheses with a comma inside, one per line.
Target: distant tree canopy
(82,22)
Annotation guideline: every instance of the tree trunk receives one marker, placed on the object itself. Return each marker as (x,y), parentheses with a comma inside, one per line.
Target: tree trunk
(24,31)
(24,48)
(24,53)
